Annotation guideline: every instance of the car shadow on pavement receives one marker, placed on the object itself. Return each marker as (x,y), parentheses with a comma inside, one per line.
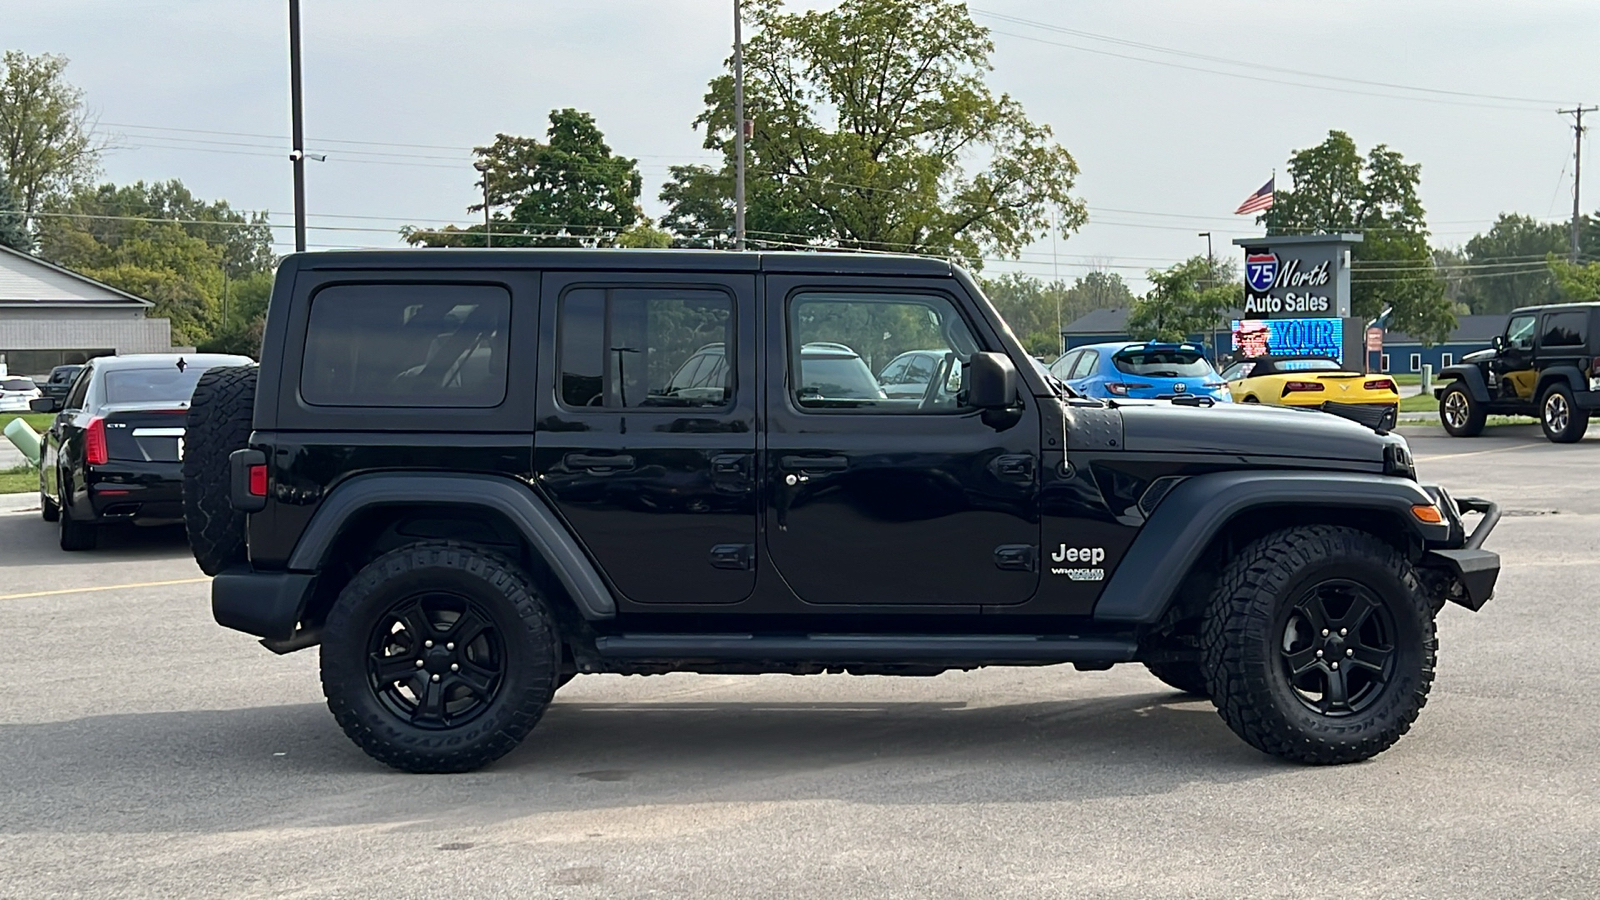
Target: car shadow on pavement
(31,542)
(241,769)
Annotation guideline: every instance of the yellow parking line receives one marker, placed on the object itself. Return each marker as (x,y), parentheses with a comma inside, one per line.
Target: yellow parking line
(107,587)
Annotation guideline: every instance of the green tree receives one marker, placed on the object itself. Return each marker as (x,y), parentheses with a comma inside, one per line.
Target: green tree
(1576,283)
(1336,190)
(1037,310)
(1504,267)
(45,144)
(865,116)
(14,231)
(1191,297)
(567,191)
(196,259)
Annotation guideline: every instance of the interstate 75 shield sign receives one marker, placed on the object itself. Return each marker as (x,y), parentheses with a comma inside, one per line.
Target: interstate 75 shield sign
(1260,271)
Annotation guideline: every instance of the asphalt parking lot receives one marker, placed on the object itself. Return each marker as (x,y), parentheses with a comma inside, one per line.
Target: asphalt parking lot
(146,752)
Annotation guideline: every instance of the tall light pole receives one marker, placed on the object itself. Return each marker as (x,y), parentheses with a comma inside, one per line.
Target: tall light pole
(482,166)
(297,153)
(1211,273)
(738,140)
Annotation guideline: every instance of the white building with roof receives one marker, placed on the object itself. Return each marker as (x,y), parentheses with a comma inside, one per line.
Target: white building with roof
(50,316)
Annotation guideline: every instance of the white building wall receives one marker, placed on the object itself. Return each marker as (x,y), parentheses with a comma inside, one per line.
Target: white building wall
(125,331)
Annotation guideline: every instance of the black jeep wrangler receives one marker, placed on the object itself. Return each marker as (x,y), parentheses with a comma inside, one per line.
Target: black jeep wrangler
(1546,364)
(472,475)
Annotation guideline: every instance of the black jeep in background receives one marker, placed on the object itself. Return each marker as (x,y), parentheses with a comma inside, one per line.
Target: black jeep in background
(471,475)
(1546,364)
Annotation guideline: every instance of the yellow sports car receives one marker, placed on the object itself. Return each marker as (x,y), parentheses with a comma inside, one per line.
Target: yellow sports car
(1306,381)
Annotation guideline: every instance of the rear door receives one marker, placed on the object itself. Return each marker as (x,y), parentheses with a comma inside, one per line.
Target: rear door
(906,502)
(646,440)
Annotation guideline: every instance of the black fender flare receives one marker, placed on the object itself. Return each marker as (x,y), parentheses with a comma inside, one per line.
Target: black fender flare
(1178,531)
(1471,376)
(1570,374)
(526,511)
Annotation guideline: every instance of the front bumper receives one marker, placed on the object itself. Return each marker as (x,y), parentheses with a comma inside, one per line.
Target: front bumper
(1468,571)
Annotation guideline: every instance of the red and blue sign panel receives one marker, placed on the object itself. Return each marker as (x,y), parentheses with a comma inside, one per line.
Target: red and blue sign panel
(1260,271)
(1289,337)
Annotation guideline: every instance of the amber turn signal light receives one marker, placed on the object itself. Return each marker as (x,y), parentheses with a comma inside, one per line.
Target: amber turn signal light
(1429,514)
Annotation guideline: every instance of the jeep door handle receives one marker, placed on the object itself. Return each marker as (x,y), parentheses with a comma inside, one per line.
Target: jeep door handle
(814,463)
(613,462)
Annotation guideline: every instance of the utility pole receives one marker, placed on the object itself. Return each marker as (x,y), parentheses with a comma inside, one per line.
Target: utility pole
(1211,272)
(1577,167)
(738,140)
(297,153)
(1056,285)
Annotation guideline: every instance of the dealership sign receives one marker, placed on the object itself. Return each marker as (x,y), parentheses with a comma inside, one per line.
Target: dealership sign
(1289,337)
(1298,276)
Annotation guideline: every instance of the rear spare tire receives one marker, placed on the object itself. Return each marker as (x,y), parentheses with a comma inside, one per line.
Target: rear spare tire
(219,423)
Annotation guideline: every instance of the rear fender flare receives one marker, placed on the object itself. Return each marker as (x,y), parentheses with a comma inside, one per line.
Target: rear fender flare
(1471,376)
(1169,544)
(516,502)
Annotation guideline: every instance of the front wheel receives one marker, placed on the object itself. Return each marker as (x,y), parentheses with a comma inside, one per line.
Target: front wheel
(1563,420)
(75,535)
(1460,415)
(439,657)
(1319,645)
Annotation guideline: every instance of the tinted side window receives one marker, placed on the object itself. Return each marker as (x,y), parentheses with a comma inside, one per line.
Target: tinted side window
(1564,329)
(80,389)
(641,347)
(406,345)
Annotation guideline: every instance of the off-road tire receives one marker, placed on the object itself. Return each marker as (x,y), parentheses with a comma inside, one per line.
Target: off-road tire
(518,613)
(1560,417)
(218,423)
(1461,415)
(75,535)
(1244,629)
(1188,677)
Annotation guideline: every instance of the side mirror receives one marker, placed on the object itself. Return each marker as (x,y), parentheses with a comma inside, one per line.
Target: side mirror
(1499,342)
(45,405)
(991,381)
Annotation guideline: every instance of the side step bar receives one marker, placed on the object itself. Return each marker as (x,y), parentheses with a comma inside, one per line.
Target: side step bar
(871,648)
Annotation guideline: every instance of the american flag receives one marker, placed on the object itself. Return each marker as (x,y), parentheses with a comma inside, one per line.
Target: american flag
(1260,201)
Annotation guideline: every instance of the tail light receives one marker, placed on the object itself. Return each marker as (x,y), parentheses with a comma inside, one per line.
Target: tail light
(1121,389)
(1293,386)
(1381,384)
(258,481)
(94,443)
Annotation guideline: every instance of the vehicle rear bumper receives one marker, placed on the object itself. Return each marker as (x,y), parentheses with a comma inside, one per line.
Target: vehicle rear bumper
(146,492)
(265,604)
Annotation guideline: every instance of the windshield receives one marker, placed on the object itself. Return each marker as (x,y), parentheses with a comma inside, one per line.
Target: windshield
(1162,363)
(838,378)
(165,385)
(16,384)
(1307,365)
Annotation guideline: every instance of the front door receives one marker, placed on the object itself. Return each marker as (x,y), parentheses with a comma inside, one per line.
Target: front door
(880,499)
(1514,365)
(646,435)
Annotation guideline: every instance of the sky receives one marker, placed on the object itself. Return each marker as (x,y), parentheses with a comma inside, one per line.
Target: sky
(1174,110)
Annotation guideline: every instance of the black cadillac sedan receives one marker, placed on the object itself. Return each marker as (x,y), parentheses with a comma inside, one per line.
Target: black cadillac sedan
(115,450)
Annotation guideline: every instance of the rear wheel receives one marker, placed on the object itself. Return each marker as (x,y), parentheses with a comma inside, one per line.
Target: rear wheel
(1459,413)
(218,424)
(1251,399)
(1319,645)
(1563,420)
(75,535)
(439,657)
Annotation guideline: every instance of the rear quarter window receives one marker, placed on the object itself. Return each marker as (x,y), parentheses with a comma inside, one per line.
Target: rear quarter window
(406,345)
(1566,329)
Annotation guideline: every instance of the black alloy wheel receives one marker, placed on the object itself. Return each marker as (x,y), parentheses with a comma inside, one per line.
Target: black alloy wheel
(74,535)
(436,660)
(1338,647)
(439,657)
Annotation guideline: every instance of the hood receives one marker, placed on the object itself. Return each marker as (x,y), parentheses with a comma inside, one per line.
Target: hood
(1240,429)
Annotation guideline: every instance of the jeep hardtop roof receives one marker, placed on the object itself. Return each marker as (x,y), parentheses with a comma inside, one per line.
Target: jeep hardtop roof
(1582,304)
(622,260)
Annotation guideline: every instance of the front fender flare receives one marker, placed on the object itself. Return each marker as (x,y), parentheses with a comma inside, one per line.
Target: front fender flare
(520,506)
(1171,541)
(1471,376)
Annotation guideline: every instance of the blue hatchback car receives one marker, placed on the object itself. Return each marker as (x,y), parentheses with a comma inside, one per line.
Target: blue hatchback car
(1144,370)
